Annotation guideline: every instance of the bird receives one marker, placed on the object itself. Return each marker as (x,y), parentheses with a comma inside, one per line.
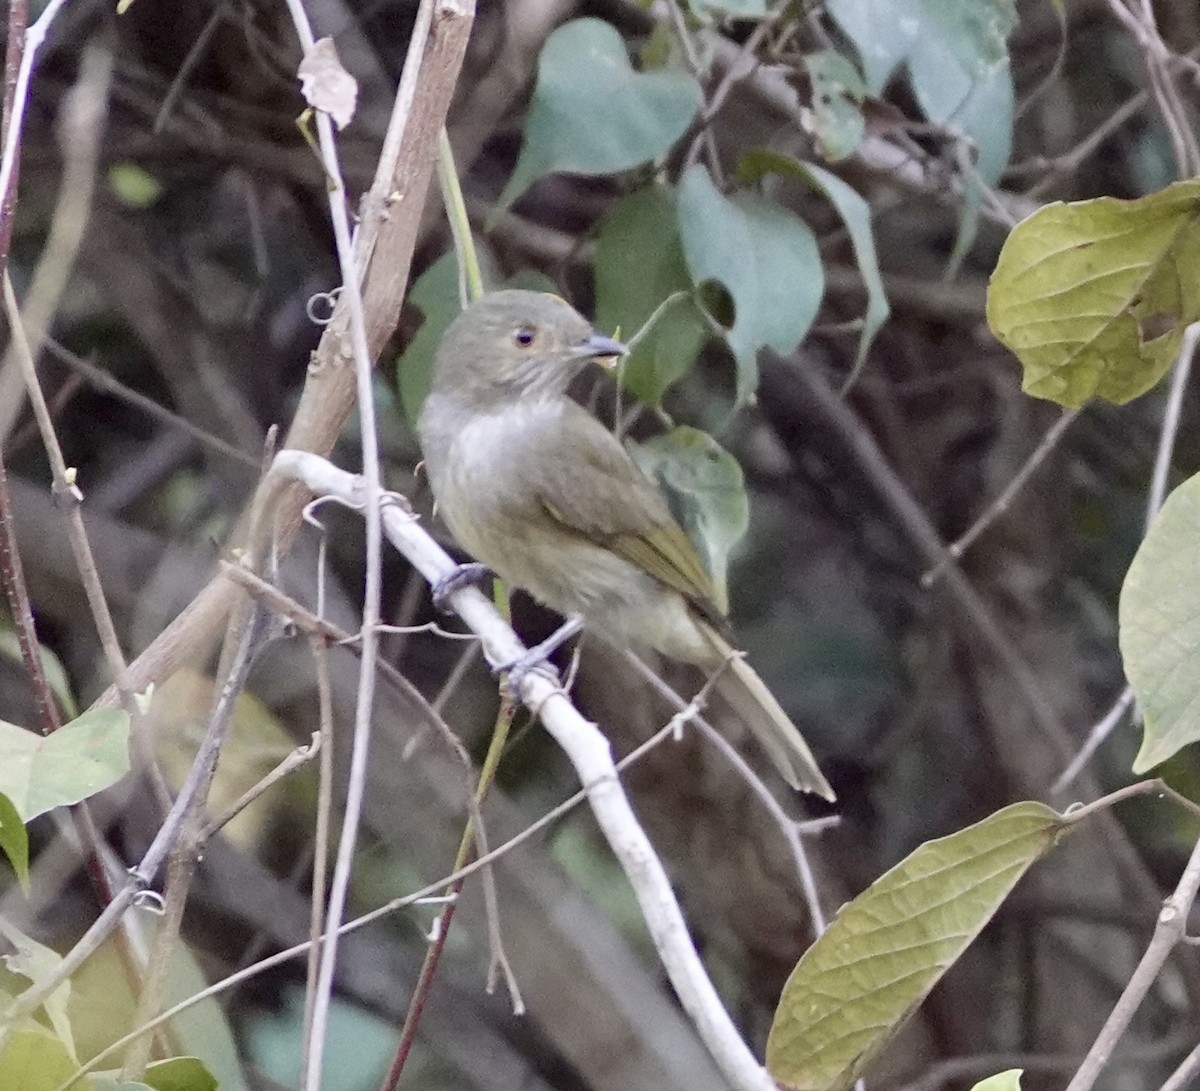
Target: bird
(539,492)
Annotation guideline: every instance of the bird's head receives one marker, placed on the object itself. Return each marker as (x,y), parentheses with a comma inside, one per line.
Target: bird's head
(515,343)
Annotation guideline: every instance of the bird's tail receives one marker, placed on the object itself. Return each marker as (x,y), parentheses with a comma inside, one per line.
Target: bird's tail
(741,688)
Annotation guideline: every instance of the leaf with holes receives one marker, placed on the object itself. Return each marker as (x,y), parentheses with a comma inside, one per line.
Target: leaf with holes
(884,952)
(1093,297)
(767,259)
(855,214)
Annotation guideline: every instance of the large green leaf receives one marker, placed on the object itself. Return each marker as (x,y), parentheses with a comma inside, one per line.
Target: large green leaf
(85,756)
(14,840)
(704,486)
(855,214)
(883,32)
(1093,297)
(884,951)
(1159,628)
(593,114)
(639,264)
(767,259)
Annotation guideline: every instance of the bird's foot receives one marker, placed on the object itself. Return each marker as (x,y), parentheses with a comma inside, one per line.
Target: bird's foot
(536,657)
(464,575)
(517,670)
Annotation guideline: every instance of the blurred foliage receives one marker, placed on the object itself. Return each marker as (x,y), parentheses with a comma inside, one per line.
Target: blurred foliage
(800,199)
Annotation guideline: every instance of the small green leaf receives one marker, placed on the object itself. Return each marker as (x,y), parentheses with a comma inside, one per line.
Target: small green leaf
(133,186)
(767,259)
(33,1059)
(706,491)
(1093,297)
(639,263)
(593,114)
(37,963)
(837,94)
(878,960)
(1159,628)
(83,757)
(1001,1081)
(56,675)
(855,214)
(180,1074)
(14,840)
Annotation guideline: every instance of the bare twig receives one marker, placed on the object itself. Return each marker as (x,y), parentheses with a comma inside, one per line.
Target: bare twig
(1171,926)
(1002,502)
(787,825)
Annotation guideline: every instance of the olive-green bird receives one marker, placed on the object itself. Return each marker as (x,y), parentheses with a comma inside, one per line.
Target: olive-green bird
(547,498)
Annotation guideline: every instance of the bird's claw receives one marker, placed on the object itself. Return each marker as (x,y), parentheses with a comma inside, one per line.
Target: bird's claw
(463,575)
(516,670)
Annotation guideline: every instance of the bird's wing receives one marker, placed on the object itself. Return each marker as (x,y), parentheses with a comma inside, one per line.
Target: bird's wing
(604,497)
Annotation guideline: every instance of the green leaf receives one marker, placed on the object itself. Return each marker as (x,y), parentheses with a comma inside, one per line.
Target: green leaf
(837,94)
(85,756)
(180,1074)
(855,214)
(883,32)
(1093,297)
(593,114)
(1002,1081)
(882,954)
(767,259)
(705,489)
(33,1059)
(36,962)
(133,186)
(1159,628)
(639,263)
(56,675)
(14,840)
(436,294)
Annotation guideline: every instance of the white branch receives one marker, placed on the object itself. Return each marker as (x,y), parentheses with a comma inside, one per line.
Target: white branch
(589,753)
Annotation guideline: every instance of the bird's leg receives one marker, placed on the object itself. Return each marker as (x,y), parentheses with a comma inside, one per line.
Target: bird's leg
(464,575)
(537,655)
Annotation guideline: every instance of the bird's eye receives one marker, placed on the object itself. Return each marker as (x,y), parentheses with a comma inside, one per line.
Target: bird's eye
(524,336)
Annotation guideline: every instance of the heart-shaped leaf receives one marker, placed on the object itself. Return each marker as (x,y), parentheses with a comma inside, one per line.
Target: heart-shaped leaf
(36,962)
(1093,297)
(855,214)
(85,756)
(593,114)
(854,988)
(767,259)
(1159,628)
(639,264)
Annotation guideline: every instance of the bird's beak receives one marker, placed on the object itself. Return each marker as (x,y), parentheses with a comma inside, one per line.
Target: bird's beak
(606,351)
